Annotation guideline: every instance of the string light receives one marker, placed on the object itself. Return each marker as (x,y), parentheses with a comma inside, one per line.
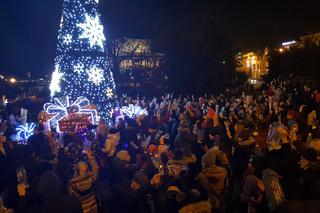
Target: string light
(84,67)
(132,111)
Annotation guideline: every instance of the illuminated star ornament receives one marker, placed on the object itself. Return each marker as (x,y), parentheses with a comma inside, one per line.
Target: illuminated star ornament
(25,131)
(93,30)
(55,81)
(78,68)
(67,39)
(96,75)
(109,92)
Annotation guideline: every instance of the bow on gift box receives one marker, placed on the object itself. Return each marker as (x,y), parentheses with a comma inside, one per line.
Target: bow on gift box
(61,108)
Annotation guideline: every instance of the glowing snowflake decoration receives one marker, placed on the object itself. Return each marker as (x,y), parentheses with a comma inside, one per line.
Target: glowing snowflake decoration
(25,131)
(93,30)
(78,68)
(132,111)
(109,92)
(96,75)
(67,39)
(55,81)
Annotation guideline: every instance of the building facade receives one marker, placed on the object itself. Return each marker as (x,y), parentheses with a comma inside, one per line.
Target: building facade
(253,64)
(136,67)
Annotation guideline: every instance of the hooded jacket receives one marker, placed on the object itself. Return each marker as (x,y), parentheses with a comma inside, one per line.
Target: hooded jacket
(213,178)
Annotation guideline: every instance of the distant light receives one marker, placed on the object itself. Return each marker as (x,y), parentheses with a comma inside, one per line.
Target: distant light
(248,62)
(12,80)
(288,43)
(223,62)
(280,50)
(253,81)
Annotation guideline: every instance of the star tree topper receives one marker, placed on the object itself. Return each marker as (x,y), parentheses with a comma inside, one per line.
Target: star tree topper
(93,30)
(109,92)
(55,82)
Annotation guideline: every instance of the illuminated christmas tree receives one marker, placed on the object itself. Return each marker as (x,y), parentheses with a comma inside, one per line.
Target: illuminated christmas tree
(82,64)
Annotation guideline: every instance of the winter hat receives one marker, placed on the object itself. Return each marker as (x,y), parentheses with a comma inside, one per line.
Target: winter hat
(141,178)
(124,155)
(173,188)
(113,130)
(291,123)
(173,192)
(208,160)
(310,155)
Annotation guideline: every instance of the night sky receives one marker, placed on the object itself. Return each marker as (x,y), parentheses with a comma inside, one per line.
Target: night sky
(29,27)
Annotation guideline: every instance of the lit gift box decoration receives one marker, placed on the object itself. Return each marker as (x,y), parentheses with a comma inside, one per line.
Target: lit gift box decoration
(70,116)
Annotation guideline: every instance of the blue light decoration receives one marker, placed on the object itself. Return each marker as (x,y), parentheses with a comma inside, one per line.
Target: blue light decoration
(82,64)
(25,131)
(132,111)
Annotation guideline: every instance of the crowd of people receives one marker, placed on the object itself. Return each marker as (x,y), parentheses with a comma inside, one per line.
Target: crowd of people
(255,151)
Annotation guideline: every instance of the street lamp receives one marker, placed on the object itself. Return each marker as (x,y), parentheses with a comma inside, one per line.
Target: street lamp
(12,80)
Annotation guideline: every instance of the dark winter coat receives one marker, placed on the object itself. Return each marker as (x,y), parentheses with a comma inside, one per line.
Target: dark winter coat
(285,162)
(51,198)
(311,182)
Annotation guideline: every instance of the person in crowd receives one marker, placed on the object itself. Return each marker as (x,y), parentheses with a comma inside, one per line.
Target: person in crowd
(81,186)
(239,151)
(102,132)
(51,198)
(213,177)
(111,143)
